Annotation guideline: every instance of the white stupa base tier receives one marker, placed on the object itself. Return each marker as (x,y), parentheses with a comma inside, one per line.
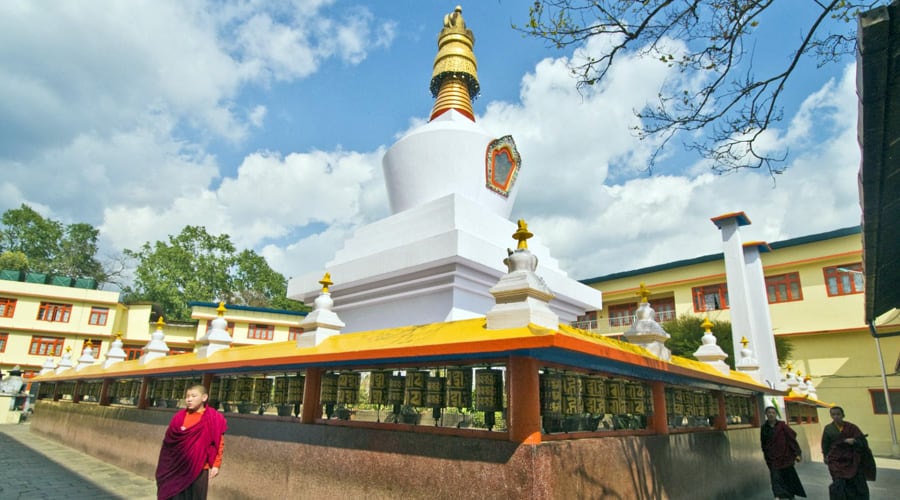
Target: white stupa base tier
(433,263)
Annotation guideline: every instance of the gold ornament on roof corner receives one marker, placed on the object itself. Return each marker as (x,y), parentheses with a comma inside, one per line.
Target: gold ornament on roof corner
(643,292)
(522,235)
(326,282)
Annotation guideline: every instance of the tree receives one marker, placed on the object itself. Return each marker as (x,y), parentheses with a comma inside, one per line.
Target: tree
(197,266)
(50,246)
(729,103)
(686,333)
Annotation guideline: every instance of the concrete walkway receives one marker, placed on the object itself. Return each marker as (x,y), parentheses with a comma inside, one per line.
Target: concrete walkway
(33,467)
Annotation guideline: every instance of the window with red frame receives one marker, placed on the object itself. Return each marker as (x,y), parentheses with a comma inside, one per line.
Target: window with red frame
(7,307)
(844,280)
(46,346)
(98,316)
(132,351)
(54,312)
(95,345)
(665,308)
(4,337)
(294,332)
(228,328)
(878,405)
(621,314)
(783,288)
(260,332)
(710,297)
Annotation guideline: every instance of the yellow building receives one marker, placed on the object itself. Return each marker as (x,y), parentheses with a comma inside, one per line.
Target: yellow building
(815,287)
(43,318)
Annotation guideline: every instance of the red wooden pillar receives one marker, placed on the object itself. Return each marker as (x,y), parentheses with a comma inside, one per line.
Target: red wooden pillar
(142,395)
(721,421)
(311,389)
(524,401)
(754,417)
(76,392)
(104,392)
(659,422)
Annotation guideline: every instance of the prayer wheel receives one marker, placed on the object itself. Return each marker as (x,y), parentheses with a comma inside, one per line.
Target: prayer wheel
(459,387)
(415,388)
(348,388)
(488,390)
(328,394)
(595,395)
(378,387)
(435,388)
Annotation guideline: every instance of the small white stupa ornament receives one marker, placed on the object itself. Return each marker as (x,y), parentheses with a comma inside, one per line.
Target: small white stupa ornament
(116,353)
(646,331)
(87,356)
(322,322)
(49,366)
(748,363)
(66,362)
(157,347)
(521,296)
(710,352)
(217,337)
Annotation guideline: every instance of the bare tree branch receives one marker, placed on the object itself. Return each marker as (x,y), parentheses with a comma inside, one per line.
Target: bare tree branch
(733,106)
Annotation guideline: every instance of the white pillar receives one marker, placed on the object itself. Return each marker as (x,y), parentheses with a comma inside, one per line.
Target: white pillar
(735,276)
(763,338)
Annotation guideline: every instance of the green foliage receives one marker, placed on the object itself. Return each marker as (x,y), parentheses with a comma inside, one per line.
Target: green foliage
(16,261)
(686,335)
(197,266)
(49,246)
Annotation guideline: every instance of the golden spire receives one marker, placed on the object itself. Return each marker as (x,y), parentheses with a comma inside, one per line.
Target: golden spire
(744,342)
(160,323)
(707,325)
(454,81)
(326,282)
(643,293)
(221,309)
(522,235)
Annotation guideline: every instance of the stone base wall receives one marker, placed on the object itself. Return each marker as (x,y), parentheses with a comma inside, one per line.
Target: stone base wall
(280,458)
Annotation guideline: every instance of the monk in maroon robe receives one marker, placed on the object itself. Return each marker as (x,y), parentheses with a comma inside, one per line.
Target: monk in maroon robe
(848,457)
(781,451)
(191,452)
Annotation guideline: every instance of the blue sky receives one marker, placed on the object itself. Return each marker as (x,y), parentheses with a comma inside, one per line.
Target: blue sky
(267,121)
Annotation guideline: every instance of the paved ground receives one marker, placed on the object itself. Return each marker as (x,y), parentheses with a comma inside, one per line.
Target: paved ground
(32,467)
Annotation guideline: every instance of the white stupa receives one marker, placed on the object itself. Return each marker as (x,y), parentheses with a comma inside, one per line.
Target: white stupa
(451,186)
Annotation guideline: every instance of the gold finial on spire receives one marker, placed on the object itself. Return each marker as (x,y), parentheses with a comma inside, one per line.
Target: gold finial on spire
(119,335)
(643,293)
(160,323)
(88,343)
(68,348)
(454,81)
(522,235)
(326,282)
(744,342)
(789,367)
(221,309)
(707,325)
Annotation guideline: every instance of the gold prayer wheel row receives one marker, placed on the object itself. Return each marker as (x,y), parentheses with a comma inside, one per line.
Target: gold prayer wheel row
(419,388)
(572,394)
(688,403)
(738,405)
(289,389)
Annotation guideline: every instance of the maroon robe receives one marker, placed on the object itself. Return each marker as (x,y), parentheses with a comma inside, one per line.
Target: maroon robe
(185,453)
